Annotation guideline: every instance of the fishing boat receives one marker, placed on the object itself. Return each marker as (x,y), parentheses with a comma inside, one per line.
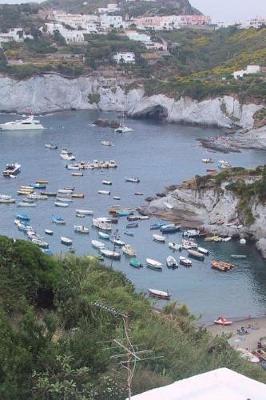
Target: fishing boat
(102,224)
(203,251)
(11,170)
(77,174)
(61,204)
(174,246)
(108,183)
(196,254)
(222,265)
(66,241)
(132,225)
(58,220)
(23,217)
(171,262)
(81,229)
(159,238)
(132,180)
(49,232)
(189,244)
(129,234)
(154,264)
(239,256)
(191,233)
(159,294)
(117,242)
(134,262)
(156,226)
(170,228)
(106,192)
(41,243)
(114,255)
(222,321)
(51,146)
(128,250)
(103,235)
(26,204)
(185,261)
(106,143)
(84,212)
(97,244)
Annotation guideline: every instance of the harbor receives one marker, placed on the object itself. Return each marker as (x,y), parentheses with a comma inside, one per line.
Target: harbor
(131,173)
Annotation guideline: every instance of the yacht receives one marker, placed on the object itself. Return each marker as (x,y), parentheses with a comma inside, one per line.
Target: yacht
(11,170)
(29,123)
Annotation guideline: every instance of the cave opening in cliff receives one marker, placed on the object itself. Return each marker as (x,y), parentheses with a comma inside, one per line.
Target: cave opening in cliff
(157,113)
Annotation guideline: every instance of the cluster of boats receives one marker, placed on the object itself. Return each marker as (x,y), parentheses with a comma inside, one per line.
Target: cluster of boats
(95,164)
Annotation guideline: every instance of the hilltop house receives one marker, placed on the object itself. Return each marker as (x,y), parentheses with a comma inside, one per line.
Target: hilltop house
(70,36)
(125,57)
(14,35)
(250,70)
(170,22)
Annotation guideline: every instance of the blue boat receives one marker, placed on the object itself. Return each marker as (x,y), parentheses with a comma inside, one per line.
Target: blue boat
(39,186)
(23,217)
(124,213)
(104,235)
(58,220)
(170,228)
(132,225)
(156,225)
(134,262)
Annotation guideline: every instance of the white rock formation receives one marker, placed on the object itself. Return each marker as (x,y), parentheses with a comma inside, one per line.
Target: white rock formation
(53,92)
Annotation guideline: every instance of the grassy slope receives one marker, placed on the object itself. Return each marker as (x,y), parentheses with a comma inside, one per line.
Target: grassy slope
(53,340)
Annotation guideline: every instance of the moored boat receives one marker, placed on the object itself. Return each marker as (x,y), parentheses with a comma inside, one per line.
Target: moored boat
(51,146)
(66,241)
(132,180)
(102,224)
(175,246)
(41,243)
(84,211)
(49,232)
(195,254)
(222,265)
(103,235)
(77,195)
(171,262)
(239,256)
(23,217)
(61,204)
(156,226)
(191,233)
(106,182)
(159,238)
(132,225)
(128,250)
(134,262)
(97,244)
(189,244)
(185,261)
(58,220)
(116,241)
(81,229)
(154,264)
(170,228)
(203,251)
(114,255)
(77,174)
(106,143)
(159,294)
(26,204)
(106,192)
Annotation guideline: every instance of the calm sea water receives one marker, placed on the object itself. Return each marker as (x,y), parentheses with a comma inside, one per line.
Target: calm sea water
(160,154)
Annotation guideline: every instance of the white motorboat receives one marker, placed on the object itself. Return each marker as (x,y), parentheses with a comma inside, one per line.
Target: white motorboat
(81,229)
(61,204)
(49,232)
(159,238)
(106,143)
(128,250)
(84,212)
(51,146)
(191,233)
(110,254)
(29,123)
(189,244)
(105,182)
(67,155)
(203,251)
(66,241)
(106,192)
(12,170)
(97,244)
(77,174)
(207,160)
(117,241)
(171,262)
(6,199)
(174,246)
(132,180)
(102,224)
(123,129)
(65,191)
(185,261)
(154,264)
(159,294)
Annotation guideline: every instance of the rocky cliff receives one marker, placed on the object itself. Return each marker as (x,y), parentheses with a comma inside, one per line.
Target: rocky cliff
(53,92)
(213,205)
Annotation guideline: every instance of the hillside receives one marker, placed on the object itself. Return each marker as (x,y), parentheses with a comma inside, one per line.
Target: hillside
(54,340)
(132,8)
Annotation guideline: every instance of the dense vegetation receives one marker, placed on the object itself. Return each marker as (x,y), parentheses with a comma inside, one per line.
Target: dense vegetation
(55,344)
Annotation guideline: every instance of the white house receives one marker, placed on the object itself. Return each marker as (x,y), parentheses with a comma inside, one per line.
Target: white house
(139,37)
(220,384)
(14,35)
(111,8)
(125,58)
(111,21)
(76,21)
(250,70)
(70,36)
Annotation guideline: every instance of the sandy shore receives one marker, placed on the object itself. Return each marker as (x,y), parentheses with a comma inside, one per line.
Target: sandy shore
(256,328)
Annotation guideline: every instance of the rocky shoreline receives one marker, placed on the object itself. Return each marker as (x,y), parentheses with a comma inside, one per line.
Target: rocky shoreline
(212,208)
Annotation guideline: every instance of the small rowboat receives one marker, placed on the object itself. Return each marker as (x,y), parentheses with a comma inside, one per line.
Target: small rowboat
(26,204)
(185,261)
(159,294)
(159,238)
(110,254)
(66,241)
(171,262)
(60,204)
(117,198)
(97,244)
(106,143)
(196,254)
(51,146)
(223,321)
(64,199)
(154,264)
(134,262)
(49,194)
(23,217)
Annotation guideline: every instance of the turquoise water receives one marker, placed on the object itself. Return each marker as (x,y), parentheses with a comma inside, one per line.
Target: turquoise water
(160,154)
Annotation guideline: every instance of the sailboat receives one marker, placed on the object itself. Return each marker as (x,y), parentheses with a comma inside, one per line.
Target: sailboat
(122,127)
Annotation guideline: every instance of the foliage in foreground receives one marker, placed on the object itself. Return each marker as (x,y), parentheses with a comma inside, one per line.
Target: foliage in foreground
(54,343)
